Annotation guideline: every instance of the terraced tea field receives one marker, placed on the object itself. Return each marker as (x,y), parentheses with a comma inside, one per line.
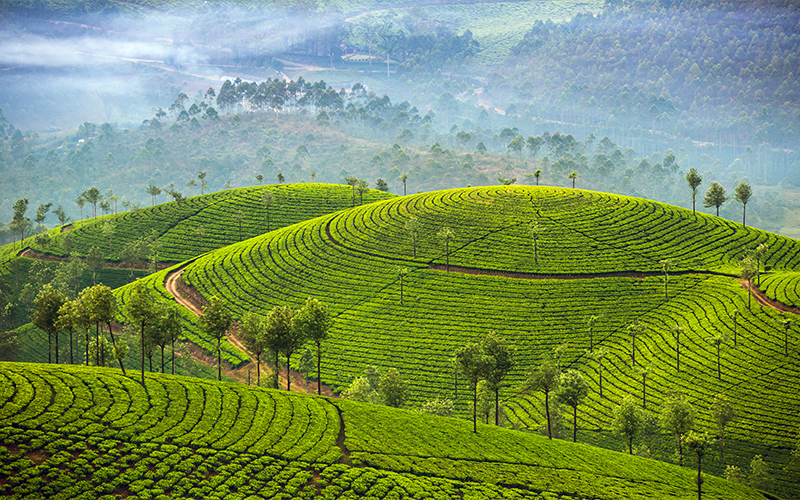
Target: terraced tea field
(76,432)
(598,255)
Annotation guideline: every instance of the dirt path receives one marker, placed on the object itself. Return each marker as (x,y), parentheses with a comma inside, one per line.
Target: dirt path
(765,301)
(33,254)
(299,382)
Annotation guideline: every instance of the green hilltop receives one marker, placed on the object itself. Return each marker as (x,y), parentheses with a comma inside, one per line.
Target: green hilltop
(77,432)
(598,254)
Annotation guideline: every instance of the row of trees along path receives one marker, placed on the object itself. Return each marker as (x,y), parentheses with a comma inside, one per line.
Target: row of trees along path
(192,302)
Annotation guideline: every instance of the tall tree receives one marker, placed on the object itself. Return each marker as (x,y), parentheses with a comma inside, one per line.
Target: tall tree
(203,182)
(153,191)
(572,389)
(786,323)
(93,196)
(715,196)
(446,234)
(644,371)
(677,417)
(723,413)
(252,328)
(239,217)
(94,260)
(699,443)
(471,362)
(19,220)
(500,361)
(45,315)
(694,179)
(102,308)
(677,330)
(412,227)
(362,187)
(718,340)
(68,320)
(749,271)
(170,325)
(216,322)
(314,321)
(599,355)
(352,181)
(139,309)
(628,420)
(404,179)
(573,175)
(546,379)
(759,253)
(537,174)
(393,388)
(742,194)
(634,330)
(592,321)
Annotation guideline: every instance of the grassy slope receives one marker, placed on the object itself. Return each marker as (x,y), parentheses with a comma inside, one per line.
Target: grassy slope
(67,432)
(583,232)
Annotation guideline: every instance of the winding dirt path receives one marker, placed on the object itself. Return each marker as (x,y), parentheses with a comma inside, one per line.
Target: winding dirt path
(299,382)
(765,301)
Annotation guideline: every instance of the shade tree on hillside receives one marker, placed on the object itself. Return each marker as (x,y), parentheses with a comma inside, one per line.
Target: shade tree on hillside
(402,273)
(216,322)
(45,315)
(592,321)
(314,321)
(544,378)
(394,388)
(666,263)
(677,331)
(500,361)
(404,180)
(718,340)
(715,196)
(412,227)
(267,200)
(252,329)
(699,443)
(572,176)
(170,325)
(759,253)
(139,308)
(634,330)
(599,355)
(446,235)
(644,371)
(786,323)
(627,421)
(69,320)
(534,229)
(742,194)
(749,266)
(723,413)
(694,180)
(677,417)
(472,363)
(572,389)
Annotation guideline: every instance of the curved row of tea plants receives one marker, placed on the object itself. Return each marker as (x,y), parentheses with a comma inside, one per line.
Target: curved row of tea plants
(68,432)
(348,260)
(783,287)
(202,223)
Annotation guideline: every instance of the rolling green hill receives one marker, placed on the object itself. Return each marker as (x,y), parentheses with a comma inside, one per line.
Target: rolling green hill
(598,255)
(70,432)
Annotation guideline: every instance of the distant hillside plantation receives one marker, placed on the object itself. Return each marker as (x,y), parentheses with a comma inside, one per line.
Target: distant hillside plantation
(74,432)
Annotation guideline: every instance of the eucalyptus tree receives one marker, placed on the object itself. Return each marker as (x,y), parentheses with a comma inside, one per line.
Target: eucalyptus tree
(627,421)
(216,322)
(139,308)
(723,413)
(93,196)
(694,180)
(715,196)
(718,340)
(572,176)
(102,308)
(534,229)
(412,227)
(19,220)
(253,336)
(500,361)
(171,328)
(699,443)
(742,194)
(634,330)
(81,202)
(545,378)
(239,217)
(537,174)
(677,330)
(677,417)
(109,229)
(599,355)
(404,179)
(666,263)
(644,371)
(472,363)
(736,313)
(363,187)
(153,191)
(352,181)
(760,251)
(314,321)
(749,271)
(447,235)
(572,389)
(47,303)
(592,321)
(203,182)
(68,320)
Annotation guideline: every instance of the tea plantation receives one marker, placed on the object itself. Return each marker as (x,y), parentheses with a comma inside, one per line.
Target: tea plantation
(76,432)
(597,254)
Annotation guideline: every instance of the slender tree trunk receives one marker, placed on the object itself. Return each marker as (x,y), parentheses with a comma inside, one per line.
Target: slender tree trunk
(258,371)
(749,294)
(475,407)
(71,361)
(680,449)
(404,189)
(719,366)
(630,445)
(600,369)
(56,346)
(97,341)
(575,424)
(633,350)
(87,346)
(744,215)
(497,406)
(162,359)
(547,411)
(276,370)
(678,353)
(447,251)
(699,479)
(288,374)
(722,445)
(735,325)
(49,348)
(219,359)
(319,368)
(173,357)
(116,353)
(142,337)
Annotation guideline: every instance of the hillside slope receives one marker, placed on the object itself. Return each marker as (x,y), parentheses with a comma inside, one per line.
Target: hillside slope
(67,432)
(598,255)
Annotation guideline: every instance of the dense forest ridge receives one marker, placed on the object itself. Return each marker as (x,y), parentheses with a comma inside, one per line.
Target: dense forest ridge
(168,435)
